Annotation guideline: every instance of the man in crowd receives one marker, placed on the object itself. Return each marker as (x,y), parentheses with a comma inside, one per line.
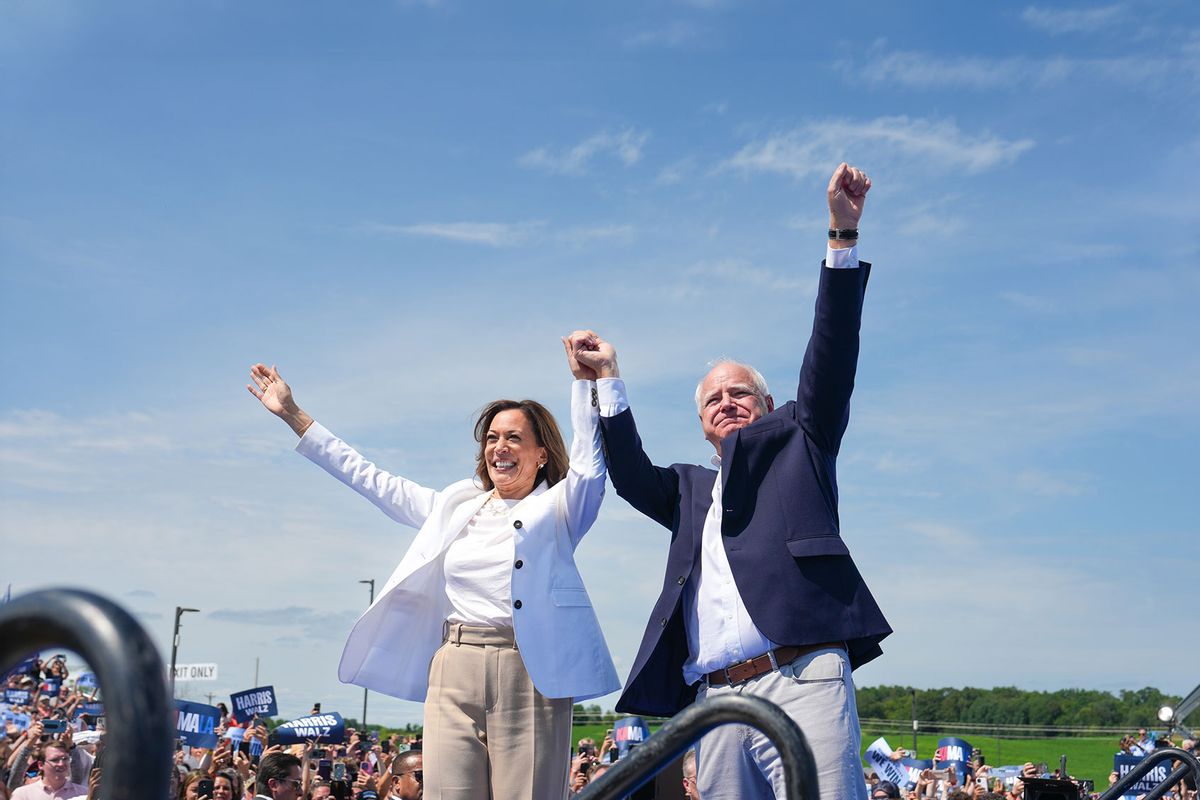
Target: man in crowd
(760,596)
(408,776)
(689,775)
(885,790)
(279,778)
(54,759)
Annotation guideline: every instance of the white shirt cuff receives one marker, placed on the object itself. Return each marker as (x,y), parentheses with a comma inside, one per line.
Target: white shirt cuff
(611,396)
(841,258)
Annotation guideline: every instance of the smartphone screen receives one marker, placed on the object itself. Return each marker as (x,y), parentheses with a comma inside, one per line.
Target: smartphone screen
(325,768)
(339,771)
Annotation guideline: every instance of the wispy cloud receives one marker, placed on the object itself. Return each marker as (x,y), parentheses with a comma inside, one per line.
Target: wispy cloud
(320,624)
(625,146)
(492,234)
(809,149)
(503,234)
(1048,484)
(1057,21)
(917,70)
(675,34)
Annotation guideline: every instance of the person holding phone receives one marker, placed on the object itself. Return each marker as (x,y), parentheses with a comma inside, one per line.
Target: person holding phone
(486,619)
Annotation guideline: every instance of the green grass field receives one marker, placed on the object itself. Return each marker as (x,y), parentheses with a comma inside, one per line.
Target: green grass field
(1086,758)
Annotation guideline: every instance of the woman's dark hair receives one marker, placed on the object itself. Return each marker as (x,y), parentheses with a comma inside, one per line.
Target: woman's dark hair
(235,781)
(545,432)
(195,776)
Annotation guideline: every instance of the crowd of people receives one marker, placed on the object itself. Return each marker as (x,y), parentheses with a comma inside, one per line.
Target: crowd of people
(59,755)
(983,782)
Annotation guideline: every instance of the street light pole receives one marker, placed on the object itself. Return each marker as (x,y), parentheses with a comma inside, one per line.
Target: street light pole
(179,612)
(371,583)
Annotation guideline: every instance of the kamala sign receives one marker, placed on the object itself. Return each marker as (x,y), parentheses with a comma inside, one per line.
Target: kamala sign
(195,672)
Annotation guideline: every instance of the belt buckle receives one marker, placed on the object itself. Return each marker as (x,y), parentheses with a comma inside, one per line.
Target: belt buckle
(728,677)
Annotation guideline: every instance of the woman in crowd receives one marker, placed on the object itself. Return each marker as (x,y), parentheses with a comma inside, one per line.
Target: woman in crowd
(486,619)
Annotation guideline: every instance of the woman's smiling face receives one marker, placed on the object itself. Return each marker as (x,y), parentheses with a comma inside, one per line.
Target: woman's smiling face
(512,454)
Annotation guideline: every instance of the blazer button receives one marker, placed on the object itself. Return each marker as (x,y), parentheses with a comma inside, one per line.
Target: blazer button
(681,580)
(516,603)
(517,524)
(519,564)
(662,623)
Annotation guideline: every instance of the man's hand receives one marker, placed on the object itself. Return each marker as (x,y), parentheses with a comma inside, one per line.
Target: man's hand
(847,194)
(590,357)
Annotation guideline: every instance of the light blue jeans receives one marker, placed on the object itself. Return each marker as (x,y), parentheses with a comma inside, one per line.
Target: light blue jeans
(736,762)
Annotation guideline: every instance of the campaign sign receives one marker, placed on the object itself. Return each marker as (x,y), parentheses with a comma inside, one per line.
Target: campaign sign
(254,702)
(629,731)
(91,709)
(18,697)
(879,757)
(1123,764)
(20,721)
(914,766)
(196,723)
(952,752)
(50,687)
(329,728)
(235,735)
(27,667)
(86,681)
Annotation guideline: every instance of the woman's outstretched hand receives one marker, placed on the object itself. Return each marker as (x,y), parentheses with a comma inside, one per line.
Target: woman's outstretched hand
(276,396)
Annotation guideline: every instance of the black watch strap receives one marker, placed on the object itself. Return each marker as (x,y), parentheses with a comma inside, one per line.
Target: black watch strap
(844,234)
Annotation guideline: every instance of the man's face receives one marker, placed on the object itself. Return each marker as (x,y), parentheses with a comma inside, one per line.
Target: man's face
(689,784)
(57,766)
(410,780)
(729,401)
(287,788)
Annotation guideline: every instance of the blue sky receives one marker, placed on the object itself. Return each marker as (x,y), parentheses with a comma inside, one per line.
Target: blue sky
(405,204)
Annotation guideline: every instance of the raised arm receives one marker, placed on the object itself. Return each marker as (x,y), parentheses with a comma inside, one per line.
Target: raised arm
(584,482)
(652,490)
(401,499)
(831,359)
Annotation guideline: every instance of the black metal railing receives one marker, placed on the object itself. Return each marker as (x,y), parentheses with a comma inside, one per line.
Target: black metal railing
(139,741)
(641,764)
(1143,767)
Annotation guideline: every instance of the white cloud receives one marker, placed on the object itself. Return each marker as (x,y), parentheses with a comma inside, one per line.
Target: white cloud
(809,149)
(1058,21)
(916,70)
(675,34)
(625,146)
(492,234)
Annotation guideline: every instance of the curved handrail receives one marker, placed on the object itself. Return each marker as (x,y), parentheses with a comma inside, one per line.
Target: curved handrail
(1190,764)
(139,740)
(641,764)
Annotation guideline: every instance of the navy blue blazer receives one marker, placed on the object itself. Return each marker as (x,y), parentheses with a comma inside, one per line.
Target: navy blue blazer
(780,518)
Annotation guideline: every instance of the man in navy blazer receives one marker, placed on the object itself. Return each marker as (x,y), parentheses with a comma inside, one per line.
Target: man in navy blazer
(760,594)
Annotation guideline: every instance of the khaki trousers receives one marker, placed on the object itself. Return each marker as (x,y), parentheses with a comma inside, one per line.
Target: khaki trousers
(489,733)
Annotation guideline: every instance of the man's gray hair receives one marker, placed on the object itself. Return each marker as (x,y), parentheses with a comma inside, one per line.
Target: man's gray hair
(760,383)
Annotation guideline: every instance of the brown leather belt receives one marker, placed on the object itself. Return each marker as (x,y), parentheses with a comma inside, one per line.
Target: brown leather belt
(767,662)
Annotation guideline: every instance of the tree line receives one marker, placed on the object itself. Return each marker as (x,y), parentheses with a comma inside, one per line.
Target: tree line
(1007,705)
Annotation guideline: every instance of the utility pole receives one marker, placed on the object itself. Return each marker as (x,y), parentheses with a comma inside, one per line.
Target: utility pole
(914,721)
(256,670)
(371,582)
(179,612)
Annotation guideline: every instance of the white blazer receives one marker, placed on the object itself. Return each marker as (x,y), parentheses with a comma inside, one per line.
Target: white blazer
(392,644)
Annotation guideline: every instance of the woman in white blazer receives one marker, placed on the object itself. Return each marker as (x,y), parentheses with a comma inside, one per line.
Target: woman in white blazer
(486,619)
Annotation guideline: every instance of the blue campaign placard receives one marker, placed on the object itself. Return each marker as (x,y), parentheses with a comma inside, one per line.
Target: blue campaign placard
(1123,763)
(329,728)
(91,709)
(952,751)
(86,681)
(18,697)
(20,721)
(629,731)
(914,767)
(196,723)
(254,702)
